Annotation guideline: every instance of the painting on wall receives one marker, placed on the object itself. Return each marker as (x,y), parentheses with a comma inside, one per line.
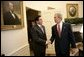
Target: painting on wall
(72,10)
(11,15)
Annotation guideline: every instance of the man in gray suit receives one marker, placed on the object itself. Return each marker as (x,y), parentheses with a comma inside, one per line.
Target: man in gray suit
(38,37)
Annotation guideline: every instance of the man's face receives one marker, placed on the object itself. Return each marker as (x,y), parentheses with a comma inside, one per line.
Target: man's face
(11,6)
(57,19)
(40,21)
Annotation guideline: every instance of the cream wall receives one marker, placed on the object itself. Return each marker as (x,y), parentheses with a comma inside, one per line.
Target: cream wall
(58,5)
(13,41)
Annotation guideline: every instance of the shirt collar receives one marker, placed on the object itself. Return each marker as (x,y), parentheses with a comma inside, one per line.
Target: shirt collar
(39,25)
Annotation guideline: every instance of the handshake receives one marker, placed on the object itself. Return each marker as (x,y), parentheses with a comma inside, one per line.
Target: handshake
(48,42)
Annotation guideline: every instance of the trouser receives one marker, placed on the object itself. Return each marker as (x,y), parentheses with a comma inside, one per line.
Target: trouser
(60,53)
(39,53)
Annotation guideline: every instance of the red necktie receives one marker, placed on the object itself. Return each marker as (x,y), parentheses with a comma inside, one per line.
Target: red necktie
(58,29)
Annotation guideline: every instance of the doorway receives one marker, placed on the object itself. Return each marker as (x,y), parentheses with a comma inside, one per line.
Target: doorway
(31,15)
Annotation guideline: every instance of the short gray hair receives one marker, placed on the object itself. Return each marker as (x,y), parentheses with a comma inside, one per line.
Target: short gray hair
(59,15)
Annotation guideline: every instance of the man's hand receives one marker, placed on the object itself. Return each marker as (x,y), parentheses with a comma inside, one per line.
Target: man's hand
(48,42)
(73,50)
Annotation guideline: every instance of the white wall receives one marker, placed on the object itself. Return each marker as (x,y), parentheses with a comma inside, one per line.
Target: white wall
(13,40)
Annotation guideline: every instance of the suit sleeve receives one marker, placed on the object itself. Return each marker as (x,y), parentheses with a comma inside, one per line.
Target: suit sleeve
(45,33)
(72,38)
(35,37)
(52,37)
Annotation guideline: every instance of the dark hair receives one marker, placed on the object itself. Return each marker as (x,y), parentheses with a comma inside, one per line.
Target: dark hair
(37,18)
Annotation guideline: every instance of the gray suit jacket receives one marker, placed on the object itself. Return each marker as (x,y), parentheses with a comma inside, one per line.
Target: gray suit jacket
(38,38)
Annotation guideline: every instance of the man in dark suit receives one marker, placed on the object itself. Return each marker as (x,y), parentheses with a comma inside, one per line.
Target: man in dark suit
(39,37)
(10,18)
(63,36)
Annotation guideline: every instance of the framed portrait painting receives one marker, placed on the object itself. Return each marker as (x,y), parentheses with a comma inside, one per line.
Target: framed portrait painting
(12,15)
(72,10)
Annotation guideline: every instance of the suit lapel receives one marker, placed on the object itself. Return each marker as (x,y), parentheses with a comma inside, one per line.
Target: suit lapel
(63,29)
(55,30)
(39,29)
(43,29)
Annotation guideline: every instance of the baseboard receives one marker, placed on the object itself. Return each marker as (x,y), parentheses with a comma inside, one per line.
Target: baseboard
(22,51)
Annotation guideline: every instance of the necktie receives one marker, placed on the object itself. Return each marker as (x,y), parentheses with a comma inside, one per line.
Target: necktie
(58,29)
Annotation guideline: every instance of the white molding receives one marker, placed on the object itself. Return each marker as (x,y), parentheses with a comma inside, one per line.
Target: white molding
(10,54)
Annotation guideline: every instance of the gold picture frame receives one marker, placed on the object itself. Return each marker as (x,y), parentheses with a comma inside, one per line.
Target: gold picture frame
(12,15)
(72,10)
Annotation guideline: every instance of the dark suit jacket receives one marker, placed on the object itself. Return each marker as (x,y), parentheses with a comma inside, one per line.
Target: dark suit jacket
(62,44)
(38,38)
(9,19)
